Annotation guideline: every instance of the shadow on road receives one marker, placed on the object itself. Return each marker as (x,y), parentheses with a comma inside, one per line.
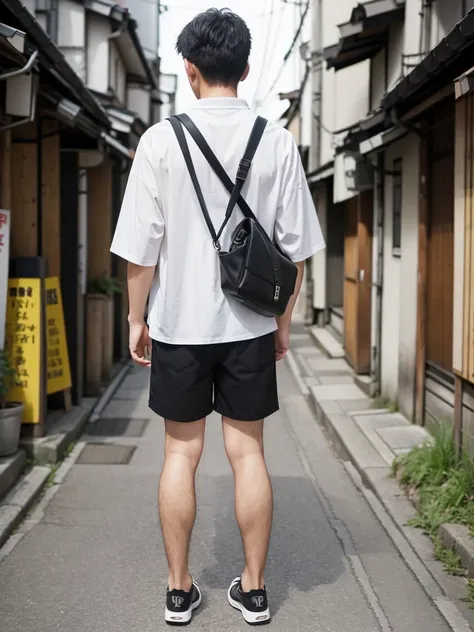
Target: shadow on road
(304,551)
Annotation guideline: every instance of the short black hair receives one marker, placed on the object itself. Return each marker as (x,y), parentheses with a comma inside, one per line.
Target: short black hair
(218,43)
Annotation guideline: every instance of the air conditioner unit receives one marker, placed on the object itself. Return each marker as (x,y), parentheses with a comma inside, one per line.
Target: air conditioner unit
(358,172)
(21,92)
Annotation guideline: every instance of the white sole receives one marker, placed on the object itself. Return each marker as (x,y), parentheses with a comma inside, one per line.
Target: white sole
(252,618)
(182,618)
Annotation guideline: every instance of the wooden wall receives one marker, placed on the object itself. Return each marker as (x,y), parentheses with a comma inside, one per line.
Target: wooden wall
(51,198)
(5,170)
(26,239)
(99,231)
(24,174)
(463,309)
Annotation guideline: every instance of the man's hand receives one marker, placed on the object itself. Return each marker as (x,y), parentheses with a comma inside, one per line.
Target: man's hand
(139,343)
(282,342)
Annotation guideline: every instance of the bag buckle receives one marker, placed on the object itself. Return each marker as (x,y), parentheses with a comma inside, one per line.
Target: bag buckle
(216,245)
(244,167)
(276,296)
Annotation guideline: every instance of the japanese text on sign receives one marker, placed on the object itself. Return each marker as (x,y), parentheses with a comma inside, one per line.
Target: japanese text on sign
(23,339)
(58,370)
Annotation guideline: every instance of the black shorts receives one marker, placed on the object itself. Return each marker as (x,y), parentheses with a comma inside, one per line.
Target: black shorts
(236,379)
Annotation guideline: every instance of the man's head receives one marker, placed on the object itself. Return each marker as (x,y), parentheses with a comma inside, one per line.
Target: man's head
(216,49)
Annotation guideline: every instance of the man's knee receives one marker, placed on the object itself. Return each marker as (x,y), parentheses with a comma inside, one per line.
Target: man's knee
(242,439)
(186,440)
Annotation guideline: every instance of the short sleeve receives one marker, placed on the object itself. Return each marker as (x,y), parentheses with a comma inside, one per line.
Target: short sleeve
(297,227)
(140,226)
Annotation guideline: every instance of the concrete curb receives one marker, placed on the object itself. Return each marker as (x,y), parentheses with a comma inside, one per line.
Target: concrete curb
(458,538)
(48,451)
(10,469)
(371,474)
(20,499)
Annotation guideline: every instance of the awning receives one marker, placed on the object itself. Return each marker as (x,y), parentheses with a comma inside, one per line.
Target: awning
(127,41)
(365,33)
(382,140)
(121,119)
(323,172)
(450,58)
(14,37)
(464,84)
(117,146)
(376,123)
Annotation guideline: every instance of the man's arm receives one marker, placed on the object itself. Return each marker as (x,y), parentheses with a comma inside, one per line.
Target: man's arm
(139,280)
(282,337)
(137,239)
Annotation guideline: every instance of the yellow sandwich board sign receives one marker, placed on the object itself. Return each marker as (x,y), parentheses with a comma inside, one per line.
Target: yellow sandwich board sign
(24,342)
(58,369)
(36,341)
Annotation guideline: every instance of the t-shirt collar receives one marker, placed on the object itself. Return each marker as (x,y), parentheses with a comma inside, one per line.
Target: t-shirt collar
(221,103)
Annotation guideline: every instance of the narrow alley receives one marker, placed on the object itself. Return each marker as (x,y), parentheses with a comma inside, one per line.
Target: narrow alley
(94,560)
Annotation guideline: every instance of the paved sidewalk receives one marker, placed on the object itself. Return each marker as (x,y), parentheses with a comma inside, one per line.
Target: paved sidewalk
(95,563)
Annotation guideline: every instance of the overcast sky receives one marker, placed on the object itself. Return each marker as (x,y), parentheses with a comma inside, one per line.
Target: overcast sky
(272,23)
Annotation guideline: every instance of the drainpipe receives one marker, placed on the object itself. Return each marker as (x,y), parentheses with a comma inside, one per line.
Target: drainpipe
(380,193)
(82,212)
(39,186)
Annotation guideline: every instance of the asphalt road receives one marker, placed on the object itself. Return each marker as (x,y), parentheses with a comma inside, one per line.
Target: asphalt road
(95,562)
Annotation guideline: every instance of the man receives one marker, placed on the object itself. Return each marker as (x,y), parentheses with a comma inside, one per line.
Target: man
(210,353)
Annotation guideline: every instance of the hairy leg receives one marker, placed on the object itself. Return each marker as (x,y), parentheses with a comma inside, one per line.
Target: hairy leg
(177,496)
(253,496)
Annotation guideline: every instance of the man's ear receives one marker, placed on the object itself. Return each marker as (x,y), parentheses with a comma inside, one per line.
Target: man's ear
(246,73)
(190,69)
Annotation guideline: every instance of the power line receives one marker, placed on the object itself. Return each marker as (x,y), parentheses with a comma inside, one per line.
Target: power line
(287,55)
(266,50)
(277,32)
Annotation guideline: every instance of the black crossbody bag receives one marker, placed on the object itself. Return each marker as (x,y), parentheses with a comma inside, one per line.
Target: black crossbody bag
(255,271)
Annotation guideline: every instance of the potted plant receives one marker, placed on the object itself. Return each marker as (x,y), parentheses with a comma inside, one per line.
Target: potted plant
(100,299)
(11,413)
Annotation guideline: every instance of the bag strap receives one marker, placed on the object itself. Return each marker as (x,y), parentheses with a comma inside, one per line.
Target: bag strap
(254,140)
(242,172)
(183,143)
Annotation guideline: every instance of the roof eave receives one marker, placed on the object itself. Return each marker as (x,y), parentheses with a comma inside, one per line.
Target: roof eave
(420,82)
(55,60)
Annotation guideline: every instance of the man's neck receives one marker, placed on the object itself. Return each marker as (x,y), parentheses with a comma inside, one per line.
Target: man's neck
(216,92)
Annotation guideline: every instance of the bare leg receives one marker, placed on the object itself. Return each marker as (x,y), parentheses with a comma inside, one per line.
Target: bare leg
(177,496)
(253,496)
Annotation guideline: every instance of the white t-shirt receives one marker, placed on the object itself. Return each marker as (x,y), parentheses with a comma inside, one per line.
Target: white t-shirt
(161,223)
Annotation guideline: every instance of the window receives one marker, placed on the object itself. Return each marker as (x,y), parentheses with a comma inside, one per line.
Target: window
(397,207)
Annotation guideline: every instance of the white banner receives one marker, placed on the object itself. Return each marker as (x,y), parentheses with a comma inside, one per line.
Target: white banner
(5,223)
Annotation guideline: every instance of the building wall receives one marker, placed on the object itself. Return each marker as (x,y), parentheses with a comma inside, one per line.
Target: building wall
(145,12)
(396,37)
(72,34)
(351,97)
(378,75)
(446,15)
(391,291)
(117,74)
(345,94)
(399,302)
(98,45)
(312,111)
(408,277)
(413,10)
(320,196)
(328,116)
(138,100)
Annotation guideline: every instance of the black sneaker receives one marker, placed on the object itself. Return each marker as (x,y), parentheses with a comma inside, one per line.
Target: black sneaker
(180,605)
(253,605)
